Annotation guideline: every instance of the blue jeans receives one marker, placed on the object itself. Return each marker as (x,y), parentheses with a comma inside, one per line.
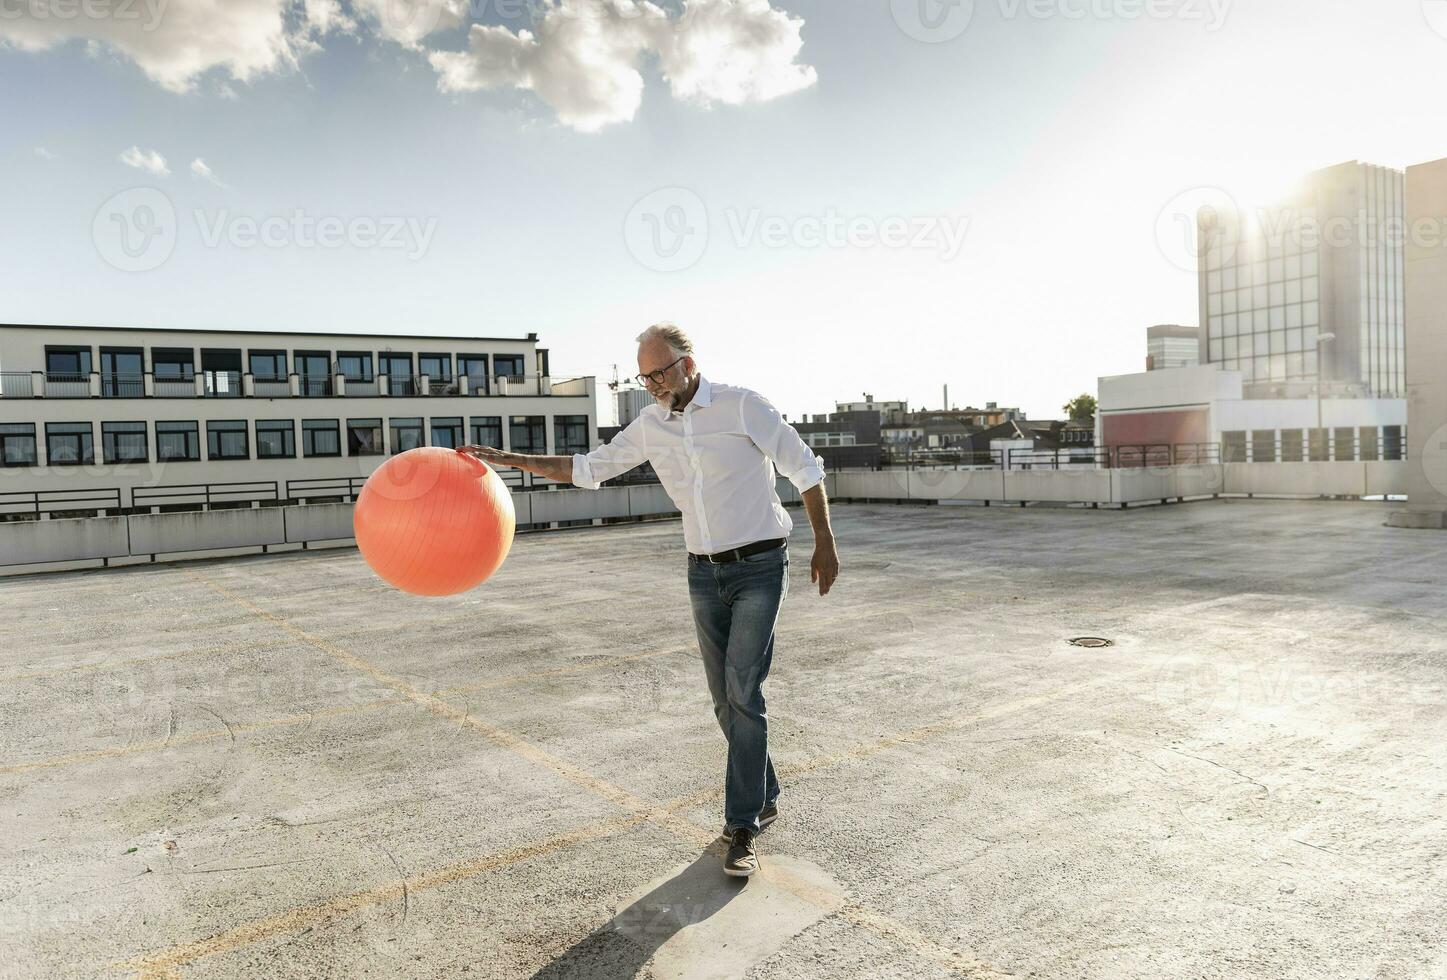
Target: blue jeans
(735,607)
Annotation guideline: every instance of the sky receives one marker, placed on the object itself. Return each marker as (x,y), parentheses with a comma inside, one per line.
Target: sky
(832,197)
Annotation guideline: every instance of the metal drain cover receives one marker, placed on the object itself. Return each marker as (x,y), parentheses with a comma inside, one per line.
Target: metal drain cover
(1091,641)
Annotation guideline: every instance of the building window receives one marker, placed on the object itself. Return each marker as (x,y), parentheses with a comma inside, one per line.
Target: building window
(124,442)
(406,434)
(1263,445)
(1291,445)
(398,369)
(69,443)
(268,365)
(526,434)
(474,366)
(67,363)
(487,431)
(320,437)
(1342,440)
(314,372)
(1368,443)
(447,433)
(177,442)
(364,437)
(507,365)
(1233,447)
(570,434)
(437,367)
(122,372)
(1391,442)
(275,439)
(355,365)
(17,444)
(227,440)
(173,364)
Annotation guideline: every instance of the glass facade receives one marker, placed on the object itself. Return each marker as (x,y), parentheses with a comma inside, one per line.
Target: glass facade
(1267,276)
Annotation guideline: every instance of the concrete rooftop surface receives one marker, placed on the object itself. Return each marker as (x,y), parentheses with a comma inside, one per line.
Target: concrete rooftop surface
(276,766)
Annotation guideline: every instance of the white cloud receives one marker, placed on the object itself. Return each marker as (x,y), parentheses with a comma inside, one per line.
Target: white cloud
(582,59)
(44,154)
(173,41)
(147,160)
(199,169)
(409,21)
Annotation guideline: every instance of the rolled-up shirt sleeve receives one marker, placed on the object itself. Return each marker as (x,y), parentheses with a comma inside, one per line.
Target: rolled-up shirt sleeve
(780,441)
(623,453)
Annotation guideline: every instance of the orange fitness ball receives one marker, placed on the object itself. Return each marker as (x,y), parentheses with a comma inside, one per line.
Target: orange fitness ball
(434,521)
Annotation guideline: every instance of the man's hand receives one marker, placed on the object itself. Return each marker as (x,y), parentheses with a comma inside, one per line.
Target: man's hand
(487,454)
(824,568)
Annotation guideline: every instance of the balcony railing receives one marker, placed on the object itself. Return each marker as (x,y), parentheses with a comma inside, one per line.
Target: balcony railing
(16,384)
(223,384)
(58,385)
(118,385)
(313,387)
(236,384)
(362,389)
(174,387)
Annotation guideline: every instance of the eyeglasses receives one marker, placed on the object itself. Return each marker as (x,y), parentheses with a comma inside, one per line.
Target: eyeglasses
(657,376)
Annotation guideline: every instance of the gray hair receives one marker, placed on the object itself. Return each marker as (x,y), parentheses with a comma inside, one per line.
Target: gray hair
(671,334)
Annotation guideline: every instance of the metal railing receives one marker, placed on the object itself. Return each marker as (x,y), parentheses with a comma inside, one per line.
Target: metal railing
(271,386)
(16,384)
(311,386)
(174,387)
(118,385)
(62,385)
(342,486)
(207,493)
(39,502)
(362,389)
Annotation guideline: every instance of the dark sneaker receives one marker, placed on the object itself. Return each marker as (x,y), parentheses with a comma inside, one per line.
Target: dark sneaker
(741,860)
(767,815)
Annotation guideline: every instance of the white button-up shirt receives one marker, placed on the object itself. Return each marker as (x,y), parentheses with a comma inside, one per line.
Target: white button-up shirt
(716,459)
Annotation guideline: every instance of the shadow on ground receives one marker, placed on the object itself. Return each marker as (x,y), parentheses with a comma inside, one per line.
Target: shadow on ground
(618,949)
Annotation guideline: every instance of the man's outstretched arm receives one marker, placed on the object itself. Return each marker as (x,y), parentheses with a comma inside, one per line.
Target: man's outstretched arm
(558,468)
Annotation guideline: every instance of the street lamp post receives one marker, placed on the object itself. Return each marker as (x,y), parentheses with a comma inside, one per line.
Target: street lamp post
(1321,339)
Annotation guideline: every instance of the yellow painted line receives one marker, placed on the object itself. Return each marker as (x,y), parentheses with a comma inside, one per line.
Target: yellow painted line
(498,736)
(165,964)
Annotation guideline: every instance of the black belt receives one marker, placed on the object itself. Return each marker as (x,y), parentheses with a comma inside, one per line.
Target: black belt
(724,557)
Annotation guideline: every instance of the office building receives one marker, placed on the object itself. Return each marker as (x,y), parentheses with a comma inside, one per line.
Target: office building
(1310,290)
(1171,346)
(122,420)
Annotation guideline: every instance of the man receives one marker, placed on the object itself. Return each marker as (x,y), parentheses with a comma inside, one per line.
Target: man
(715,447)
